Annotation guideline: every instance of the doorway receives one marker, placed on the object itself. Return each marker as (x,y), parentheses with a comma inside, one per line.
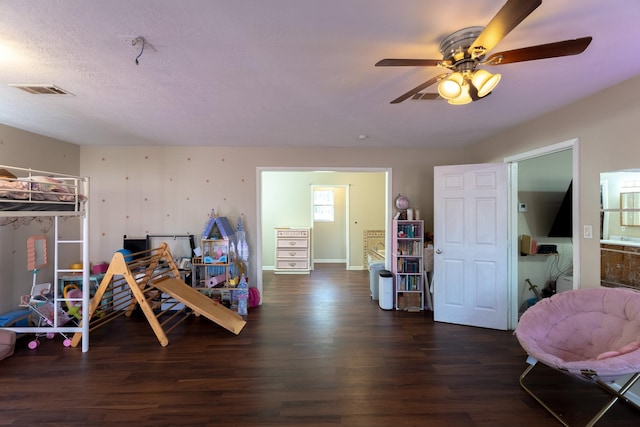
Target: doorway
(513,252)
(283,199)
(514,237)
(330,219)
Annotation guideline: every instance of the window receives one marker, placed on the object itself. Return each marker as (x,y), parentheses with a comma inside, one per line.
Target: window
(323,205)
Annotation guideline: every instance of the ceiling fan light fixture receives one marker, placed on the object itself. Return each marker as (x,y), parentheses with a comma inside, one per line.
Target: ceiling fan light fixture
(465,49)
(451,87)
(463,98)
(485,82)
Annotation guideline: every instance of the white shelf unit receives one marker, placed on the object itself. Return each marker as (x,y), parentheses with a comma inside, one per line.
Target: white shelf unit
(408,264)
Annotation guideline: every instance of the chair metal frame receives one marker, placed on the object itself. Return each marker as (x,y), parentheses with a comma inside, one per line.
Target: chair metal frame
(592,376)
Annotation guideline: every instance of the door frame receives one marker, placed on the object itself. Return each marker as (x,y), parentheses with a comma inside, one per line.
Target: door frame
(346,187)
(574,145)
(388,197)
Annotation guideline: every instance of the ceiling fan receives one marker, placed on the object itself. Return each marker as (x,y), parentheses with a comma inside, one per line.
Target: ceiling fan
(464,50)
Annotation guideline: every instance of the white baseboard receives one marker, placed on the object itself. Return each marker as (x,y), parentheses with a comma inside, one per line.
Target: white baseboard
(329,261)
(339,261)
(353,267)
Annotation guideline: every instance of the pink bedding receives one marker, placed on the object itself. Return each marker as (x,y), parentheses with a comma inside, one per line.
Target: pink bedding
(37,188)
(593,329)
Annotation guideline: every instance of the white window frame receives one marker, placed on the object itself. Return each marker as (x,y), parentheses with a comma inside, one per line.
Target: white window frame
(326,207)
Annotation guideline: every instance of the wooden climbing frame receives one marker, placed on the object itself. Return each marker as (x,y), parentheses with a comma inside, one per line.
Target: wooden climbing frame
(151,280)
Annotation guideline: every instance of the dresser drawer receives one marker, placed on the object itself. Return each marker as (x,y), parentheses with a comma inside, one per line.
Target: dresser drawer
(291,253)
(292,233)
(292,264)
(293,250)
(292,243)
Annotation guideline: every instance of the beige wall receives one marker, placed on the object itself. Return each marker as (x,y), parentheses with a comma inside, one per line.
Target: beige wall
(166,190)
(137,190)
(24,149)
(606,125)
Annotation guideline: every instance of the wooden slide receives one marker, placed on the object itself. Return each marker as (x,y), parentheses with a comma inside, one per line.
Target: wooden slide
(201,304)
(151,280)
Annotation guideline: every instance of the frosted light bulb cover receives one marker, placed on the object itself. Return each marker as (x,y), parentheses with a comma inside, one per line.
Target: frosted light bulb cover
(451,87)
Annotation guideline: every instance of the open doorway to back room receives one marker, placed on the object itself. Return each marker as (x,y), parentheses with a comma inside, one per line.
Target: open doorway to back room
(285,200)
(542,180)
(330,216)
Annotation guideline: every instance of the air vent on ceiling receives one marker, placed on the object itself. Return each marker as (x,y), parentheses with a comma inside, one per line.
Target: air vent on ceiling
(42,89)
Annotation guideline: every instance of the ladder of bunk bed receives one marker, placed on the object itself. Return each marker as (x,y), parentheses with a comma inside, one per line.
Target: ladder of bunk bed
(83,241)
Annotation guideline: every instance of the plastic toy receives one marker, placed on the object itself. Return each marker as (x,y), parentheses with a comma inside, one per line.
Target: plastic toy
(74,308)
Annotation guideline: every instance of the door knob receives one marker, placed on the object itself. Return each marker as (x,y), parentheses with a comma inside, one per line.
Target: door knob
(438,251)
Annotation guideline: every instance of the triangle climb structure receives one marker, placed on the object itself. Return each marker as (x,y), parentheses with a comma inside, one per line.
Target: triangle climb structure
(150,280)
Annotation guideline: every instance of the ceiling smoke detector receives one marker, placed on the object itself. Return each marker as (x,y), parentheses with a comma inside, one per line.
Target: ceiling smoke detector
(41,89)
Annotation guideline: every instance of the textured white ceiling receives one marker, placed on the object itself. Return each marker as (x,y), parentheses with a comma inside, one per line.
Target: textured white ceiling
(287,72)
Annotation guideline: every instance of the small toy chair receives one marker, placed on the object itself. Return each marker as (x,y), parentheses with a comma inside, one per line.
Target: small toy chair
(590,333)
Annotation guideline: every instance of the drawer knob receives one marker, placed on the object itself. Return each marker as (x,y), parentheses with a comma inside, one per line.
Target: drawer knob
(292,264)
(292,253)
(292,243)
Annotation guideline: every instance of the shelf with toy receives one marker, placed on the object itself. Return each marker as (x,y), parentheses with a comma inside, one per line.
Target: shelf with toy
(408,265)
(212,268)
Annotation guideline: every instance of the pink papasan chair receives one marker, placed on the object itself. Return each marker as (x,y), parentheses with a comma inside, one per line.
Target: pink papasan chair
(590,333)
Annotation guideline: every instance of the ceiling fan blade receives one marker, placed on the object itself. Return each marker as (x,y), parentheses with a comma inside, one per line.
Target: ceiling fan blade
(410,62)
(512,13)
(542,51)
(419,88)
(426,96)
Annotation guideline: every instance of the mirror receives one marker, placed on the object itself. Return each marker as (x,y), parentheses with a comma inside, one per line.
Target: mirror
(629,202)
(37,252)
(620,228)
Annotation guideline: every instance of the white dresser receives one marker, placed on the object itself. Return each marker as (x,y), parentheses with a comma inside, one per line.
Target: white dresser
(293,250)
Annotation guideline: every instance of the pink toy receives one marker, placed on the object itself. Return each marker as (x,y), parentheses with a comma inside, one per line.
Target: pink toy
(100,268)
(74,308)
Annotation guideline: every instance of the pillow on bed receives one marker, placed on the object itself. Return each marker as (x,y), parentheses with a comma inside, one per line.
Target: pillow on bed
(50,189)
(13,189)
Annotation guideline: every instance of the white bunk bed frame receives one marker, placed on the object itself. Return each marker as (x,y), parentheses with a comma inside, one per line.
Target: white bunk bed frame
(75,206)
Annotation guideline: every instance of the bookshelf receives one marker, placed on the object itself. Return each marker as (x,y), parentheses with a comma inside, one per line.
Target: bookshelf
(408,264)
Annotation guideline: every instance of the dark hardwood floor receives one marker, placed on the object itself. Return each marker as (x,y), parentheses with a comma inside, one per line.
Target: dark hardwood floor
(318,352)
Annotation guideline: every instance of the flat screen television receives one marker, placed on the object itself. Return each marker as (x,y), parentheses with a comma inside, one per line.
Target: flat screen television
(563,222)
(135,245)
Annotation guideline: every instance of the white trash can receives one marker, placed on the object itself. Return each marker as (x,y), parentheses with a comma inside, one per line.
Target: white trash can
(386,290)
(374,274)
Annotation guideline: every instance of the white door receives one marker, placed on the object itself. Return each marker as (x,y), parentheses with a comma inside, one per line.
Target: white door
(471,245)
